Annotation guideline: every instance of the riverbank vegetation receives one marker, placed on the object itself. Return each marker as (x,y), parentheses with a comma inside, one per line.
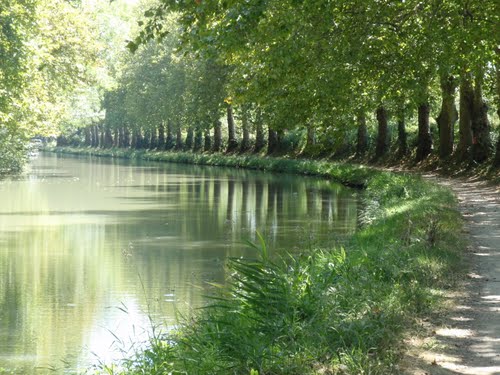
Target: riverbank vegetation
(326,311)
(334,311)
(347,174)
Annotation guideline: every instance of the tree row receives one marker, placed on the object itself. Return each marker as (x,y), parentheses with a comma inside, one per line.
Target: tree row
(314,77)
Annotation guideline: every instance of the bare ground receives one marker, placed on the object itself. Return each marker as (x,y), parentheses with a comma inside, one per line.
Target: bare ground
(466,340)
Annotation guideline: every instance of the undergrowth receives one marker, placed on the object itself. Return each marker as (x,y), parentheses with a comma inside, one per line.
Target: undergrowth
(327,311)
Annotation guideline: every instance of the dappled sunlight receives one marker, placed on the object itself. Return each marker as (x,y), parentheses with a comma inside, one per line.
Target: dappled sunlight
(403,208)
(461,319)
(492,298)
(337,260)
(455,332)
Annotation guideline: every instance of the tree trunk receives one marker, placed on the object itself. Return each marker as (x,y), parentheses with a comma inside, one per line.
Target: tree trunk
(465,118)
(101,132)
(383,133)
(153,142)
(496,161)
(402,136)
(188,145)
(169,142)
(126,137)
(139,139)
(161,136)
(245,127)
(281,136)
(217,136)
(232,143)
(362,139)
(424,141)
(208,141)
(133,140)
(178,138)
(88,136)
(260,142)
(342,147)
(198,139)
(93,136)
(116,137)
(121,137)
(97,136)
(481,141)
(108,138)
(447,117)
(310,138)
(272,141)
(147,140)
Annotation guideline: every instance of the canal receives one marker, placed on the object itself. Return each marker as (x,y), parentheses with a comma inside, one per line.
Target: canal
(94,251)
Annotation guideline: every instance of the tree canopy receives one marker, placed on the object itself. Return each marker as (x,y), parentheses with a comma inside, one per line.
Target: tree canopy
(323,77)
(320,65)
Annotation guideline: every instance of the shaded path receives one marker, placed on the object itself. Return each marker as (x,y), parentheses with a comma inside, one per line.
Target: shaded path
(468,341)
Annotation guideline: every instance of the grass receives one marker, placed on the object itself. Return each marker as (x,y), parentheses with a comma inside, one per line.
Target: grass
(326,311)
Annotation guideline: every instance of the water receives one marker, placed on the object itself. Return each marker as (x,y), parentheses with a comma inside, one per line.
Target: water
(91,249)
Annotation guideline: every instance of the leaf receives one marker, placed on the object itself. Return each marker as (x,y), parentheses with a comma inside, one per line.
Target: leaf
(132,46)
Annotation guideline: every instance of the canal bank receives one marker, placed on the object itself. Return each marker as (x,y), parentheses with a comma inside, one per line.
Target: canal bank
(352,175)
(331,310)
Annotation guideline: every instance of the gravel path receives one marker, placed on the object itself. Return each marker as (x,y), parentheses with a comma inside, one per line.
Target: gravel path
(468,340)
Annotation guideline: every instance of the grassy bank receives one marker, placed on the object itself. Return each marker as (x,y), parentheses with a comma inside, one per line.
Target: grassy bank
(350,175)
(329,311)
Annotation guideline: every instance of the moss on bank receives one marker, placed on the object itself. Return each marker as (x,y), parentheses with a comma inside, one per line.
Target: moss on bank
(329,311)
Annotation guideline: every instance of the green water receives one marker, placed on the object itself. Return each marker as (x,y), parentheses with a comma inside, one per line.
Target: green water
(91,248)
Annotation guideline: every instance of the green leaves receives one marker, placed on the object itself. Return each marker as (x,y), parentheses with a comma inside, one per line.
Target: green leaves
(305,64)
(133,45)
(261,247)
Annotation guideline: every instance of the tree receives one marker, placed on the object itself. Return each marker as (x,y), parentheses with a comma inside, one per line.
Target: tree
(48,57)
(447,116)
(318,66)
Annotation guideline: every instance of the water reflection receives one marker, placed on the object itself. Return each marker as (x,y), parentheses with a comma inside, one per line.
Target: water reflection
(91,247)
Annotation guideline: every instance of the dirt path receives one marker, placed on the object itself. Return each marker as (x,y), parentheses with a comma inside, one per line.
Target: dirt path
(468,340)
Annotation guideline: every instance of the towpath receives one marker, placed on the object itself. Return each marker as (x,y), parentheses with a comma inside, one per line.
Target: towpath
(467,341)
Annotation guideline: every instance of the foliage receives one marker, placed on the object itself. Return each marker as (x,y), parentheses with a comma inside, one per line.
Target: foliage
(307,67)
(51,73)
(14,153)
(296,66)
